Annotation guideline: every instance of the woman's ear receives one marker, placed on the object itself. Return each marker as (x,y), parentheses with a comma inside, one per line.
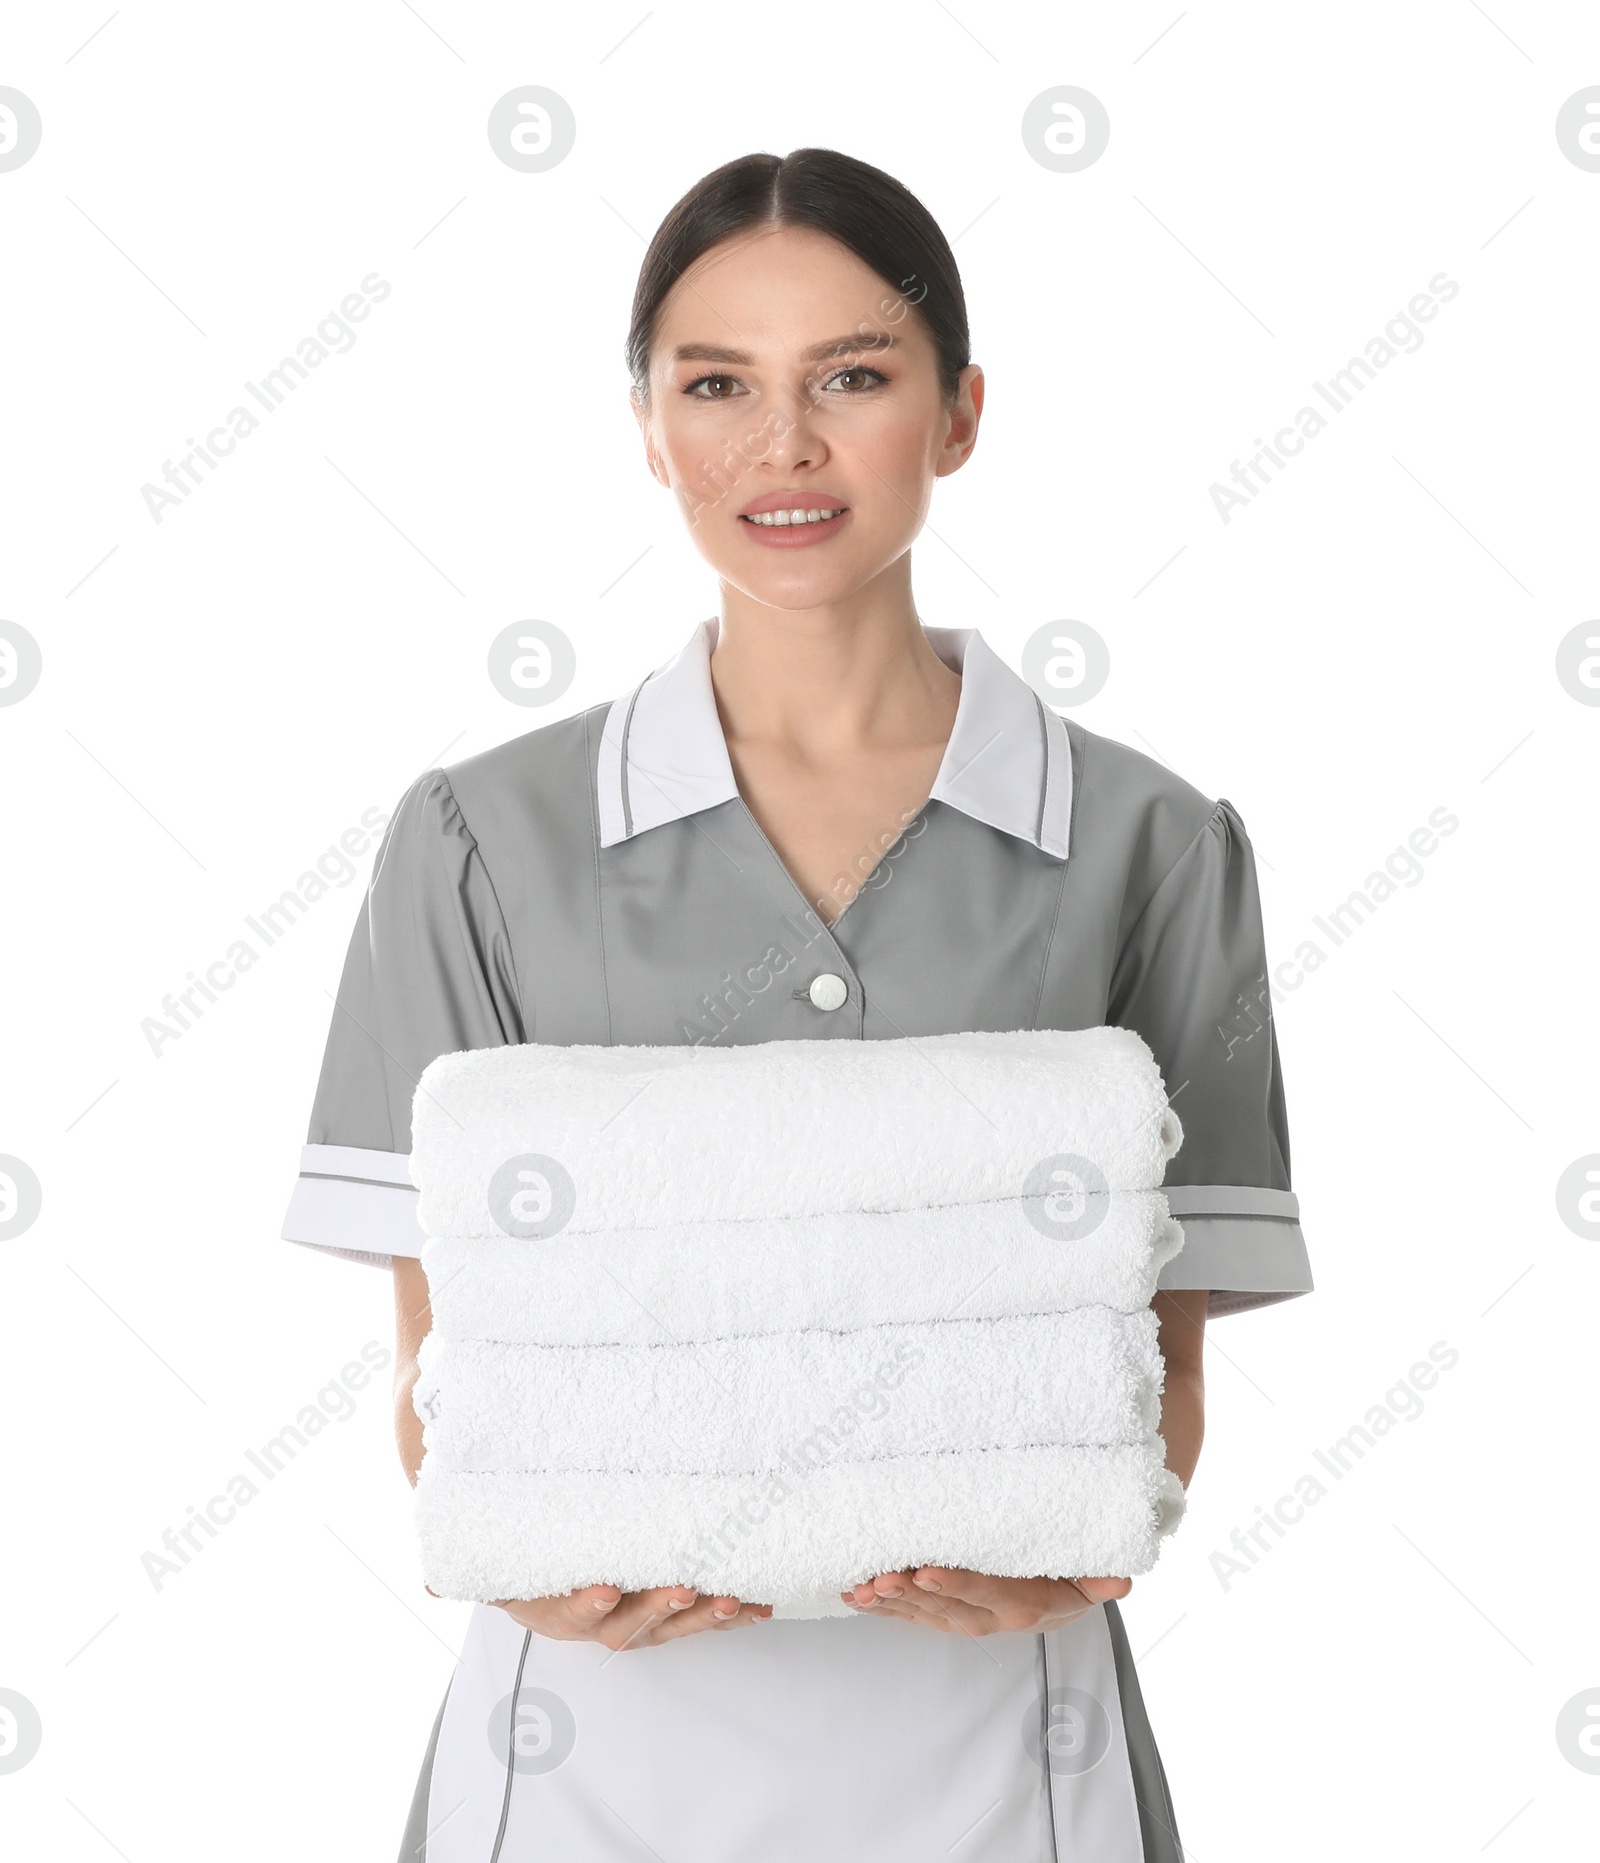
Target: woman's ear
(962,434)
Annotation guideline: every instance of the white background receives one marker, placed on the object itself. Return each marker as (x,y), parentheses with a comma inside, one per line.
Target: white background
(225,692)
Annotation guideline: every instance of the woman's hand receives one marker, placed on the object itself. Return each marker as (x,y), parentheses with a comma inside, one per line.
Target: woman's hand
(629,1620)
(946,1598)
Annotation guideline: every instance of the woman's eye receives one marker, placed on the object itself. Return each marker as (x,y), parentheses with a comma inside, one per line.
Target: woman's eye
(696,385)
(855,380)
(860,370)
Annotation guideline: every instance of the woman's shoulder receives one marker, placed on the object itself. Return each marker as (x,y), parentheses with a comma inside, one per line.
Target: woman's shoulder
(532,791)
(1128,800)
(549,761)
(1116,775)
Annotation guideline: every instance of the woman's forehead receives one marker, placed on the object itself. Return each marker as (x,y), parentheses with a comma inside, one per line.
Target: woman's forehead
(755,307)
(790,281)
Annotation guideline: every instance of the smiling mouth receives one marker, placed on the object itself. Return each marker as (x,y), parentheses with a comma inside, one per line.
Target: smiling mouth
(795,519)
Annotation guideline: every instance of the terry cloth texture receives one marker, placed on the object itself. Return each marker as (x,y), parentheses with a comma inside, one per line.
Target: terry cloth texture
(725,1279)
(769,1319)
(654,1135)
(783,1400)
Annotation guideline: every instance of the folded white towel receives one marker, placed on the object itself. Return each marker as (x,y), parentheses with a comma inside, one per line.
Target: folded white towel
(796,1542)
(716,1280)
(663,1278)
(792,1400)
(654,1135)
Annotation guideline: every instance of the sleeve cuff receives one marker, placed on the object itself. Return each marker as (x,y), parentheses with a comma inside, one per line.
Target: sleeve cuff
(1240,1241)
(355,1203)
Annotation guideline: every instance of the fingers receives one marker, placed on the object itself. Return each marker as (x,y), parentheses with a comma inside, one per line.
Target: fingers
(947,1598)
(1102,1590)
(1000,1596)
(633,1619)
(709,1613)
(747,1614)
(939,1602)
(892,1594)
(951,1598)
(644,1618)
(640,1612)
(889,1593)
(572,1615)
(1018,1603)
(589,1607)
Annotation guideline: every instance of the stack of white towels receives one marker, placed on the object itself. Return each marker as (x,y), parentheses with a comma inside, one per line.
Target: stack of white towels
(769,1319)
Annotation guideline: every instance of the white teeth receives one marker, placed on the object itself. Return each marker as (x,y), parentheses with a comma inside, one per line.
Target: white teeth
(816,516)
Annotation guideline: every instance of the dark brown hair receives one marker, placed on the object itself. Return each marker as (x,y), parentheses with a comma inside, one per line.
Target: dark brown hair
(876,217)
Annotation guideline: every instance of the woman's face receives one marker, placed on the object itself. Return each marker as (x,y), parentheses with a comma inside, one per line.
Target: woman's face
(787,375)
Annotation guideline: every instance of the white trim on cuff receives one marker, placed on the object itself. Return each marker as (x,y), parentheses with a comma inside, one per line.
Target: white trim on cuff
(1230,1200)
(356,1203)
(351,1161)
(1239,1256)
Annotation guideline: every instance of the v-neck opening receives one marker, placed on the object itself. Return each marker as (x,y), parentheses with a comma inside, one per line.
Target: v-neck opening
(884,857)
(794,884)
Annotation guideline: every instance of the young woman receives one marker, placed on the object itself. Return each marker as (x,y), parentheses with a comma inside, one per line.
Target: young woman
(820,820)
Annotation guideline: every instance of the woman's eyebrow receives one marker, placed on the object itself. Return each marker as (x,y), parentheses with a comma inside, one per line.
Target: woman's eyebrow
(840,345)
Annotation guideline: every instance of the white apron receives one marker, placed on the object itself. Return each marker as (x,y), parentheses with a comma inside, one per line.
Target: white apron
(781,1740)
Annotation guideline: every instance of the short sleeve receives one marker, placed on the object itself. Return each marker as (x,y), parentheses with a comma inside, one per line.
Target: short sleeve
(1191,978)
(429,971)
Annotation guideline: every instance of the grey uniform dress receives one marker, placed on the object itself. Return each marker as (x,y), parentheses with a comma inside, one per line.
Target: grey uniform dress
(600,880)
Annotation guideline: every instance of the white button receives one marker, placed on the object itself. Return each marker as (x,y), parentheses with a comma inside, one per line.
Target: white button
(828,991)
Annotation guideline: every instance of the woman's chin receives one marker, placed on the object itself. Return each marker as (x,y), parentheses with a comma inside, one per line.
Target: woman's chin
(794,593)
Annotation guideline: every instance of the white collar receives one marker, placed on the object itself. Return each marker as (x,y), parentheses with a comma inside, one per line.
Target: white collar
(1008,762)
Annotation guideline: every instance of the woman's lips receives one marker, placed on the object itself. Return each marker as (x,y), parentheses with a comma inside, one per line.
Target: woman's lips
(794,536)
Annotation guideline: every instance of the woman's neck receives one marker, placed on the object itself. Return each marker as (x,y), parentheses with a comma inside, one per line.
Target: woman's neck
(836,723)
(830,683)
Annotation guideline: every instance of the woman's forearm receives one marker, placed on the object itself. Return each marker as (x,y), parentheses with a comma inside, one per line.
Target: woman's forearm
(413,1318)
(1183,1423)
(1183,1398)
(407,1424)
